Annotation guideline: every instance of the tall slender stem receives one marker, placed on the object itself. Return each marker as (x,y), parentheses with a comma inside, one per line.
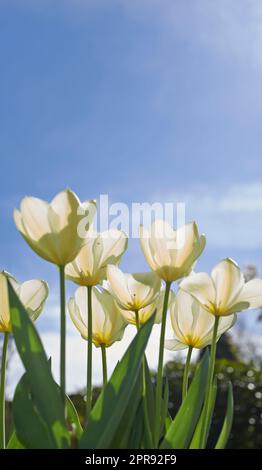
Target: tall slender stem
(137,320)
(185,377)
(159,382)
(89,352)
(2,392)
(104,364)
(62,333)
(204,433)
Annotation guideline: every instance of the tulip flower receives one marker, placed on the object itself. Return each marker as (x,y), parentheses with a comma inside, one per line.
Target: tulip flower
(133,291)
(225,291)
(193,327)
(52,231)
(33,295)
(100,249)
(221,294)
(108,323)
(171,254)
(136,294)
(89,269)
(146,312)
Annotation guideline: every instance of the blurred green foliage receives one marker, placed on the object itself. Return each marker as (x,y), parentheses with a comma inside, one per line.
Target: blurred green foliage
(247,385)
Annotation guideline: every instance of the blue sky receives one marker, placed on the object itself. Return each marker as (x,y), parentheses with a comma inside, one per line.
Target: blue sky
(146,100)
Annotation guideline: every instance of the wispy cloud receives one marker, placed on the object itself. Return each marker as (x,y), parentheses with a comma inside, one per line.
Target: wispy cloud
(231,216)
(228,27)
(76,357)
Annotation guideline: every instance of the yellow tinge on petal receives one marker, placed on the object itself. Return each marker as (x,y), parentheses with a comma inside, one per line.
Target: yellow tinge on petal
(108,323)
(171,253)
(192,324)
(133,291)
(32,295)
(100,249)
(51,229)
(225,291)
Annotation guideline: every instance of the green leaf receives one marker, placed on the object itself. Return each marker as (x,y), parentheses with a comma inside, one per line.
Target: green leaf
(195,443)
(42,386)
(124,430)
(164,412)
(73,417)
(180,432)
(150,394)
(227,425)
(14,442)
(136,437)
(31,430)
(115,398)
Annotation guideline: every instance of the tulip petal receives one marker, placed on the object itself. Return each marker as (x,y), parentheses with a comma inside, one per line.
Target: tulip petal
(5,323)
(162,240)
(186,237)
(252,293)
(34,214)
(63,207)
(201,287)
(114,244)
(174,345)
(33,295)
(229,282)
(181,314)
(118,286)
(143,288)
(146,248)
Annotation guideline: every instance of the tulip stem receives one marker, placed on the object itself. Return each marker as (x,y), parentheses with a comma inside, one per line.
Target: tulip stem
(2,392)
(104,364)
(159,380)
(185,377)
(89,352)
(206,408)
(137,320)
(62,334)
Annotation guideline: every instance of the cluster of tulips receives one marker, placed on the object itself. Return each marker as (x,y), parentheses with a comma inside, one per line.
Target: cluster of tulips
(107,300)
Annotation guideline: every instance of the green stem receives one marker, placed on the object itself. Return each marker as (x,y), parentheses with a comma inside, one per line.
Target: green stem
(2,392)
(159,382)
(185,377)
(89,352)
(137,320)
(104,364)
(62,333)
(210,377)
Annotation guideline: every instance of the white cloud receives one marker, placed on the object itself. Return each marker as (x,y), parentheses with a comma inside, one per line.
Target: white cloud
(231,217)
(76,357)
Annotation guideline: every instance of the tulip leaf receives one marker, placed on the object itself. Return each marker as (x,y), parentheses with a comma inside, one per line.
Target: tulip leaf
(136,436)
(115,398)
(180,432)
(73,418)
(150,394)
(196,440)
(124,430)
(30,428)
(227,425)
(42,386)
(14,442)
(164,412)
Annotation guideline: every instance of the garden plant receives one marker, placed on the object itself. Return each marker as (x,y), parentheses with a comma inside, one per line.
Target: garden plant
(132,410)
